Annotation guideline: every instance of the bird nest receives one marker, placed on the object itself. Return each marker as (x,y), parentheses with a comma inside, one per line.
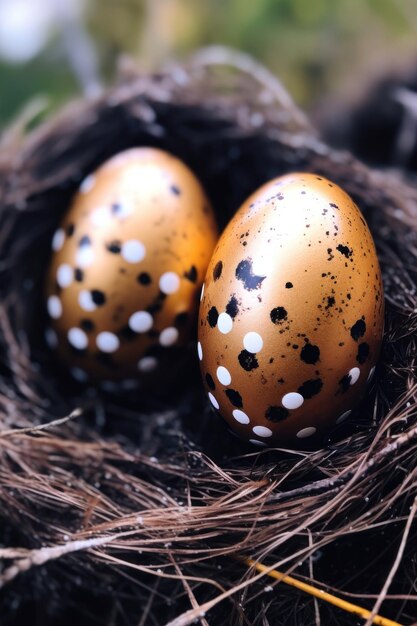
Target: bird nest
(131,507)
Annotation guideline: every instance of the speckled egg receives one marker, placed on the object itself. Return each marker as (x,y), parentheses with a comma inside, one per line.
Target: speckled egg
(291,317)
(127,265)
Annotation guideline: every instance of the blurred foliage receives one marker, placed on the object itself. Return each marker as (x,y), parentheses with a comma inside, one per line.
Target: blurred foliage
(19,84)
(316,46)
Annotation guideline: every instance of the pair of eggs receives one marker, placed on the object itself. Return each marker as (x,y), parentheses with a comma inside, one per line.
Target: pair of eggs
(291,312)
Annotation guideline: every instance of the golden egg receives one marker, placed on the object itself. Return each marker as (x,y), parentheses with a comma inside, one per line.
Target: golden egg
(127,265)
(291,318)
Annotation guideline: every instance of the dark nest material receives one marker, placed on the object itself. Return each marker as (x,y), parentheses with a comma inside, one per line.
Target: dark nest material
(134,509)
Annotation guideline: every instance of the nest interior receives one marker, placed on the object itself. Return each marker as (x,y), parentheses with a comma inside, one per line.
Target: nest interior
(138,507)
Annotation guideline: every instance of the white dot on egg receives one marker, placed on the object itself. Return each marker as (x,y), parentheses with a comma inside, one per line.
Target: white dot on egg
(84,256)
(54,307)
(224,323)
(223,375)
(253,342)
(85,301)
(51,338)
(240,416)
(202,293)
(255,442)
(213,400)
(107,342)
(133,251)
(88,183)
(79,374)
(292,400)
(306,432)
(64,275)
(140,322)
(200,351)
(371,374)
(147,364)
(260,267)
(100,216)
(168,336)
(354,374)
(343,416)
(77,338)
(262,431)
(58,240)
(169,283)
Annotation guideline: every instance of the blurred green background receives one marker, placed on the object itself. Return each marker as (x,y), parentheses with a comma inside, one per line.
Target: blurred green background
(58,48)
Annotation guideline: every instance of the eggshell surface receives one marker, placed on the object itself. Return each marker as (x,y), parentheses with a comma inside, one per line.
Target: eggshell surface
(291,317)
(127,265)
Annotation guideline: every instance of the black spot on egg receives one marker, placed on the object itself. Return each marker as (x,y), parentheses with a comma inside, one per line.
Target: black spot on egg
(276,413)
(114,247)
(234,397)
(245,274)
(181,318)
(217,271)
(310,354)
(347,252)
(363,352)
(98,297)
(213,316)
(191,274)
(157,304)
(310,388)
(87,325)
(289,285)
(144,278)
(278,314)
(84,241)
(344,383)
(210,382)
(248,360)
(358,329)
(78,275)
(116,208)
(75,350)
(175,190)
(127,334)
(232,307)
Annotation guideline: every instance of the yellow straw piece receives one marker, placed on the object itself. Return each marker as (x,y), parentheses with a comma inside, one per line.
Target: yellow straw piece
(321,594)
